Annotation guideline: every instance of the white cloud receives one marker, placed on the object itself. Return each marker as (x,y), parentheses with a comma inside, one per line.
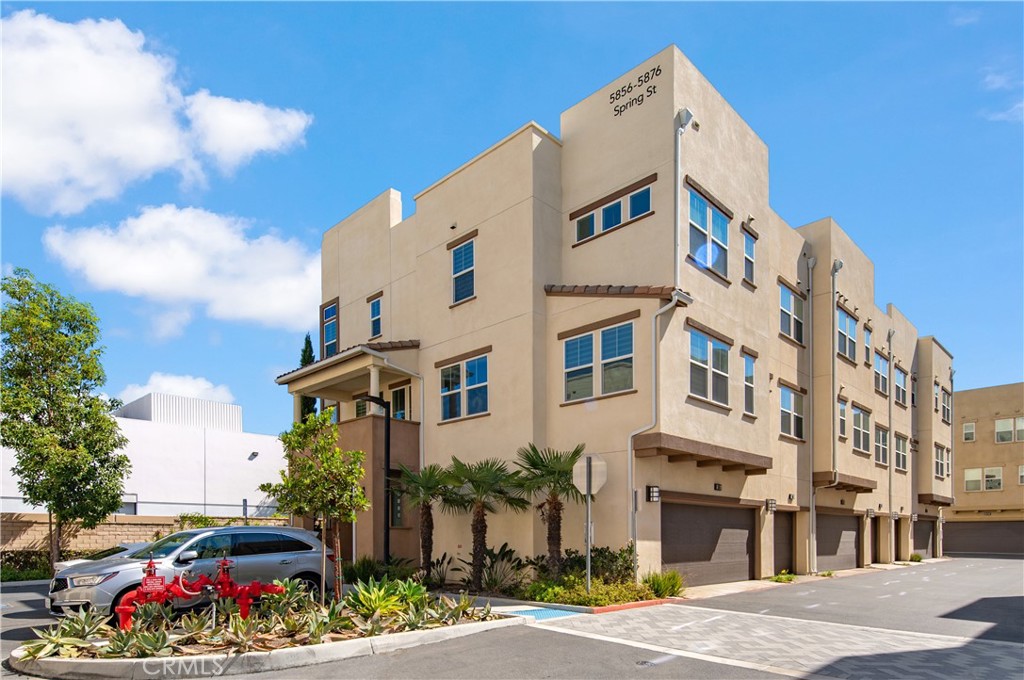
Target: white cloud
(999,81)
(1014,114)
(88,110)
(181,385)
(179,257)
(170,323)
(963,17)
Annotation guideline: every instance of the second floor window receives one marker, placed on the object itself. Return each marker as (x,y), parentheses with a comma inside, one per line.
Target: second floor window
(969,432)
(947,406)
(748,256)
(463,272)
(792,412)
(846,342)
(881,445)
(464,388)
(881,373)
(901,386)
(994,479)
(709,235)
(330,330)
(616,352)
(791,313)
(709,368)
(748,384)
(901,453)
(941,462)
(375,318)
(861,430)
(400,403)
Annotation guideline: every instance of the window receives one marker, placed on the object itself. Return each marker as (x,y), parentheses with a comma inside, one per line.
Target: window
(901,386)
(748,256)
(1004,430)
(128,508)
(375,318)
(255,544)
(792,413)
(861,430)
(1020,428)
(617,359)
(867,345)
(901,453)
(936,391)
(969,432)
(947,406)
(579,367)
(709,362)
(748,384)
(913,392)
(881,445)
(463,271)
(972,479)
(847,339)
(637,204)
(399,403)
(842,418)
(464,388)
(212,547)
(709,247)
(994,479)
(949,463)
(1020,474)
(881,373)
(940,461)
(329,325)
(791,319)
(362,407)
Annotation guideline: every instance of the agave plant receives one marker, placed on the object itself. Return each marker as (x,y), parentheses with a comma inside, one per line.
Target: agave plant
(85,624)
(53,640)
(374,625)
(243,635)
(410,592)
(195,625)
(152,616)
(120,645)
(294,598)
(374,597)
(152,643)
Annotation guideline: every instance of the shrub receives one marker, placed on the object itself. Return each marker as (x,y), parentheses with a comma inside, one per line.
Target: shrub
(504,571)
(436,574)
(611,566)
(573,590)
(366,568)
(784,577)
(664,584)
(12,574)
(826,574)
(916,558)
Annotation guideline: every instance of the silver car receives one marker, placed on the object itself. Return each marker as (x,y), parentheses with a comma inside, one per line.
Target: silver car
(259,553)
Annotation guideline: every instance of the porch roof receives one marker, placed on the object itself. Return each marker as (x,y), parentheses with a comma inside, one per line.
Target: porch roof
(347,373)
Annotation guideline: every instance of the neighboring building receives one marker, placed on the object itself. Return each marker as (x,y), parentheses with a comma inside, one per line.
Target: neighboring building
(188,456)
(539,294)
(988,476)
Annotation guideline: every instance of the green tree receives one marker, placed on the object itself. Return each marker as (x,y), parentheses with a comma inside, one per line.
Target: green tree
(321,479)
(548,472)
(480,488)
(423,489)
(65,441)
(305,359)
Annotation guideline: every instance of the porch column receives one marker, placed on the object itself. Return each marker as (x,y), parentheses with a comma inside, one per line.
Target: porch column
(375,389)
(296,408)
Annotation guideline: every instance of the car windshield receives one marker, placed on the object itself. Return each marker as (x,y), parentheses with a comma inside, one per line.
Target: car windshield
(109,552)
(165,546)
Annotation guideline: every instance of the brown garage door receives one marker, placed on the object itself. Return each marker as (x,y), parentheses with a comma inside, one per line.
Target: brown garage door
(708,544)
(924,537)
(783,541)
(1006,538)
(838,542)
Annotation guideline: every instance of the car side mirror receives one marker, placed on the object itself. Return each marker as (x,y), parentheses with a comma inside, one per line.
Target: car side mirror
(187,556)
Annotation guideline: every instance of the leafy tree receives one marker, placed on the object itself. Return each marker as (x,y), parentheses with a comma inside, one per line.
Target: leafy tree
(480,488)
(65,441)
(424,488)
(321,479)
(548,472)
(305,359)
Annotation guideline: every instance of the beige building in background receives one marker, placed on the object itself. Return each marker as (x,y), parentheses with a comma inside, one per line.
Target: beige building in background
(610,289)
(988,476)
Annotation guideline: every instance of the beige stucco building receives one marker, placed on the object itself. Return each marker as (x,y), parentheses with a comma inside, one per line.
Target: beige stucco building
(629,286)
(988,472)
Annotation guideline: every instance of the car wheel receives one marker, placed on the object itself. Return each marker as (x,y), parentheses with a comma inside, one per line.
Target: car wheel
(312,586)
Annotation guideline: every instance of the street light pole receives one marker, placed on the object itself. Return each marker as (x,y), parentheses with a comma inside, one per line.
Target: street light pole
(386,405)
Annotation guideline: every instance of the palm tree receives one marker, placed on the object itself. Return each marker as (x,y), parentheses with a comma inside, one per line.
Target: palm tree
(480,488)
(549,473)
(423,489)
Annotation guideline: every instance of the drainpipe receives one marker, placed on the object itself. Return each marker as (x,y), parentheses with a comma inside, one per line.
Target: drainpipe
(811,261)
(892,444)
(682,121)
(678,297)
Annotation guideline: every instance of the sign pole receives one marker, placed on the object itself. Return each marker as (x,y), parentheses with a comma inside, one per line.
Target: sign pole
(588,528)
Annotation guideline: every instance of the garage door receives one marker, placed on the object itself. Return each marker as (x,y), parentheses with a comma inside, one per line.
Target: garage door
(924,538)
(708,544)
(783,541)
(1006,538)
(838,542)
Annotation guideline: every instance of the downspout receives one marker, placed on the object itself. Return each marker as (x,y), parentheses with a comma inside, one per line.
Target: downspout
(682,121)
(813,542)
(891,456)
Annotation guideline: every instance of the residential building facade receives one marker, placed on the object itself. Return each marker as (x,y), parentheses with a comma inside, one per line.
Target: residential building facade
(988,472)
(628,286)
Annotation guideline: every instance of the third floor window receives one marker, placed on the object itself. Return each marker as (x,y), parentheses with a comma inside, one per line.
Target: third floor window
(791,313)
(709,235)
(881,373)
(846,342)
(463,272)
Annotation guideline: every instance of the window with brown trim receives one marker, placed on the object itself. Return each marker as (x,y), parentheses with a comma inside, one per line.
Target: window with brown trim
(329,329)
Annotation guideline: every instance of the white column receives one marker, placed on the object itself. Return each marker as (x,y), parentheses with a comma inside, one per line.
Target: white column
(375,389)
(297,408)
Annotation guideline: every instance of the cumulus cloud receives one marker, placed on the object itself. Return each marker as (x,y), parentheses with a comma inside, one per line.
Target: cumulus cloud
(89,109)
(178,258)
(181,385)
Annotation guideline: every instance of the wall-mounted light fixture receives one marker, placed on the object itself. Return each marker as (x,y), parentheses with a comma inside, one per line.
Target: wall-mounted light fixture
(252,456)
(718,486)
(913,518)
(792,497)
(842,501)
(653,494)
(879,506)
(770,504)
(895,515)
(871,513)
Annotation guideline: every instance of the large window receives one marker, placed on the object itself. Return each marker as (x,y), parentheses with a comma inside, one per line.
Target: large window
(969,432)
(329,323)
(984,479)
(614,214)
(463,272)
(749,243)
(972,479)
(616,352)
(881,373)
(748,384)
(846,342)
(901,452)
(791,313)
(901,386)
(861,430)
(994,479)
(792,412)
(375,318)
(947,406)
(842,418)
(867,345)
(1004,430)
(709,235)
(940,461)
(881,445)
(464,388)
(709,367)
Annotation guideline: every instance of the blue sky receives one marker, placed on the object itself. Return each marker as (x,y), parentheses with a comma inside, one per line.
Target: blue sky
(139,136)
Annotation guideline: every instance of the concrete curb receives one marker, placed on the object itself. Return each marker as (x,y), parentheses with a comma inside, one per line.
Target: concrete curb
(249,663)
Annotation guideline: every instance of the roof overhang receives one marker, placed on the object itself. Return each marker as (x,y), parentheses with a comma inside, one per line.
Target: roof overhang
(845,482)
(680,449)
(934,499)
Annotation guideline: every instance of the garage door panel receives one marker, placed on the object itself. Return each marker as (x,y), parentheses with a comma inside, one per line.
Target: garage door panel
(997,538)
(838,538)
(708,544)
(924,538)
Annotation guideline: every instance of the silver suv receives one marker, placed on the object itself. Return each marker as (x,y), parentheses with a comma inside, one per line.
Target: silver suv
(259,553)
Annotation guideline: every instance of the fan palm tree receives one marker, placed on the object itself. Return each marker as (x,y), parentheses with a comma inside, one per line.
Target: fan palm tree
(423,489)
(548,472)
(480,488)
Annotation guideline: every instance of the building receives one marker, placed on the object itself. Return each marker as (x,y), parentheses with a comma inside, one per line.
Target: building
(543,292)
(188,455)
(988,472)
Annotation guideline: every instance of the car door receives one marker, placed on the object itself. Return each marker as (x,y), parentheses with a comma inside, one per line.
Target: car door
(257,556)
(212,549)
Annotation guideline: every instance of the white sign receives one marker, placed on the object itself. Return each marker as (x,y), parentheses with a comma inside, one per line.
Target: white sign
(598,473)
